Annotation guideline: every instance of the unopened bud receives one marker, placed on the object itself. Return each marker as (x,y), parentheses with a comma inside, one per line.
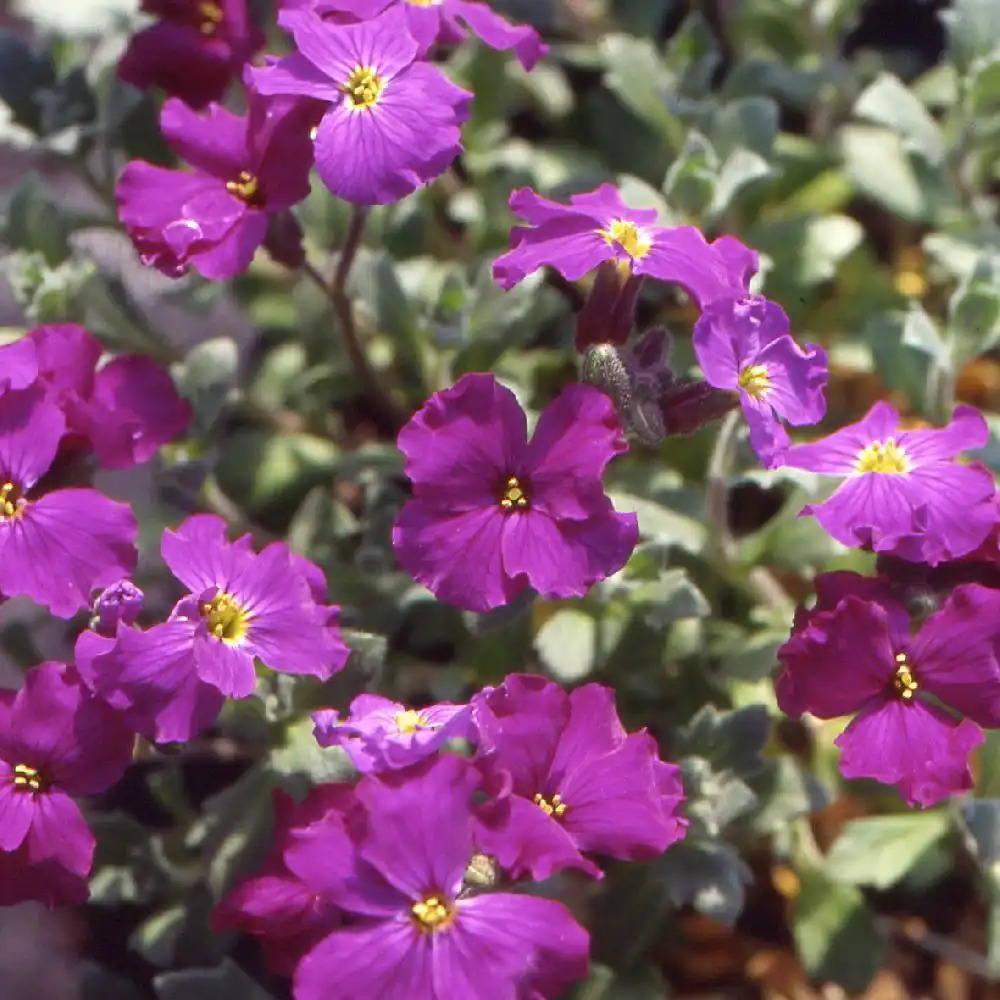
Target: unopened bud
(121,602)
(608,314)
(603,367)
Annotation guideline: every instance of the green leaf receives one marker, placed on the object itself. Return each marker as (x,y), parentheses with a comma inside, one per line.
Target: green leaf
(604,983)
(33,221)
(836,935)
(567,645)
(876,161)
(207,377)
(785,791)
(228,982)
(638,76)
(806,250)
(973,29)
(301,762)
(22,75)
(889,102)
(981,819)
(729,740)
(974,310)
(879,851)
(708,875)
(984,87)
(691,179)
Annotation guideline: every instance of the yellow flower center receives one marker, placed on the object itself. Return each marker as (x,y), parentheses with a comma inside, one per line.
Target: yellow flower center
(513,497)
(432,913)
(11,501)
(410,721)
(363,88)
(551,807)
(226,618)
(903,681)
(425,3)
(211,17)
(883,456)
(28,779)
(633,240)
(246,187)
(754,381)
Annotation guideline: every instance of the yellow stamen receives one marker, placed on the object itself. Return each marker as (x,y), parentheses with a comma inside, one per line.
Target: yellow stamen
(28,779)
(551,807)
(883,456)
(246,187)
(11,501)
(211,17)
(755,381)
(226,618)
(514,497)
(432,913)
(425,3)
(363,88)
(410,721)
(904,682)
(633,240)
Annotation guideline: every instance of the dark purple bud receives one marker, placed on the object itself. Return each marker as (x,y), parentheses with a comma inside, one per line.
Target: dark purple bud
(121,602)
(284,240)
(608,313)
(691,404)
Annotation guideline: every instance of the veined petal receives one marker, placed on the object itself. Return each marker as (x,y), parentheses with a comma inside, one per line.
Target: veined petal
(498,33)
(966,431)
(30,431)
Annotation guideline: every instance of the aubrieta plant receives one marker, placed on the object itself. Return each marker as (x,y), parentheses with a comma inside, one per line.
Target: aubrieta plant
(466,668)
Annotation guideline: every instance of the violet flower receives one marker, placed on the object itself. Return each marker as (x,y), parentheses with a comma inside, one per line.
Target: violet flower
(381,735)
(571,780)
(214,217)
(853,654)
(195,50)
(391,123)
(170,679)
(493,514)
(903,492)
(411,931)
(56,741)
(744,345)
(598,226)
(57,546)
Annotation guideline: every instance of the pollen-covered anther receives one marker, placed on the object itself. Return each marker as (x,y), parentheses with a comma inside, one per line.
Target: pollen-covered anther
(363,88)
(903,681)
(514,497)
(551,807)
(211,17)
(246,187)
(11,501)
(28,779)
(410,721)
(886,457)
(755,381)
(432,913)
(630,237)
(226,618)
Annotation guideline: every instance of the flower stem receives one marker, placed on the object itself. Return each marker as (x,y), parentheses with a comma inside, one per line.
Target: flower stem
(385,411)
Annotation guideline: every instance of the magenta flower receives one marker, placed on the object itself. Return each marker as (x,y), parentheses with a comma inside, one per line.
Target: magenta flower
(903,493)
(213,218)
(18,364)
(599,226)
(55,547)
(744,345)
(194,52)
(444,22)
(276,906)
(492,514)
(242,606)
(391,123)
(118,604)
(860,635)
(55,742)
(381,735)
(413,932)
(571,780)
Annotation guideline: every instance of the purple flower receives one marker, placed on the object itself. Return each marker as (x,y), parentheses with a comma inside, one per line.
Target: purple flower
(744,345)
(214,217)
(903,493)
(599,226)
(55,547)
(55,742)
(854,654)
(572,780)
(119,603)
(276,906)
(241,606)
(443,22)
(392,122)
(492,514)
(414,934)
(194,52)
(380,735)
(124,411)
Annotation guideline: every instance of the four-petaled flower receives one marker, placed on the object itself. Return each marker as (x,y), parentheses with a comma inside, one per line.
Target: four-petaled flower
(599,226)
(744,345)
(853,653)
(903,492)
(493,514)
(391,123)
